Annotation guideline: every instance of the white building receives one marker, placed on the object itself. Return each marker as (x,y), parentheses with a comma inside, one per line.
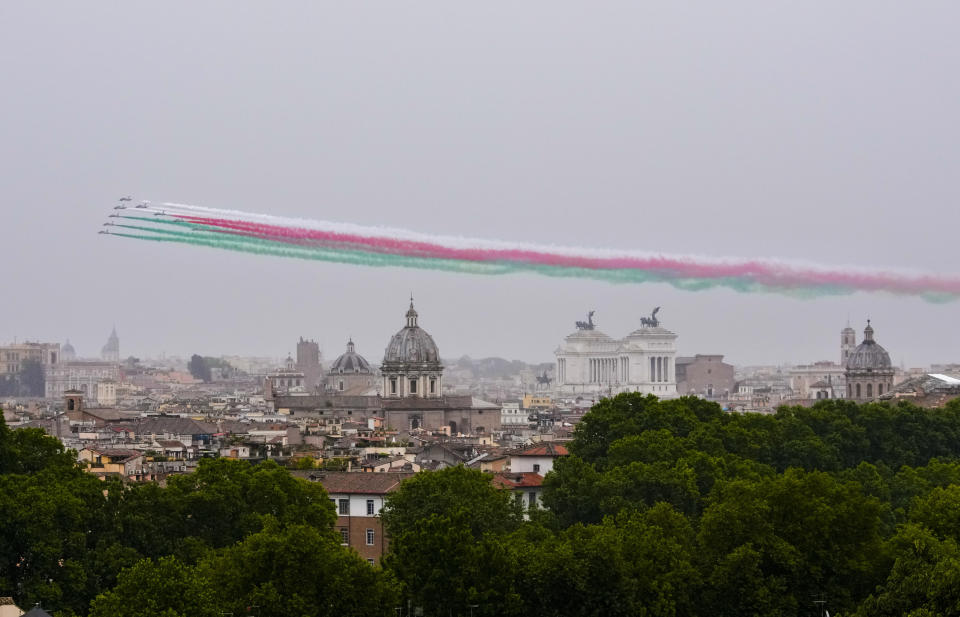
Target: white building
(512,415)
(591,363)
(83,376)
(537,457)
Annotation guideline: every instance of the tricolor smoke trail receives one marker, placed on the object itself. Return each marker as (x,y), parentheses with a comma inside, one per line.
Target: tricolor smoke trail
(265,234)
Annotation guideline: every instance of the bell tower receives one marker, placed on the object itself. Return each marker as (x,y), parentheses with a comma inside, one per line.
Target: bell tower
(848,342)
(73,401)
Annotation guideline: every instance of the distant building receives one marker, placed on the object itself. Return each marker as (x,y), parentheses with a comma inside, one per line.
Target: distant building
(80,375)
(111,351)
(13,357)
(287,380)
(411,363)
(848,343)
(869,372)
(591,363)
(511,415)
(536,401)
(351,372)
(808,380)
(705,375)
(309,363)
(412,398)
(106,395)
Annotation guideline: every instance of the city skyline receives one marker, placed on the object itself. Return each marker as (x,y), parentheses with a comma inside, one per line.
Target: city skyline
(329,352)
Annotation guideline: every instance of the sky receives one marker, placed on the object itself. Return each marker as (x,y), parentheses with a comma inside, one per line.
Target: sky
(817,131)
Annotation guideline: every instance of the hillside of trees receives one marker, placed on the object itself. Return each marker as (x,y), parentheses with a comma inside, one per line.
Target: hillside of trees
(664,508)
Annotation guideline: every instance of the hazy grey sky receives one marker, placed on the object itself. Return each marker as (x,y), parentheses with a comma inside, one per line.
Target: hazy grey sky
(825,131)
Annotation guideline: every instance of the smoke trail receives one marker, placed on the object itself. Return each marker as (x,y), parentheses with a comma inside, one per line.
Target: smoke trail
(347,243)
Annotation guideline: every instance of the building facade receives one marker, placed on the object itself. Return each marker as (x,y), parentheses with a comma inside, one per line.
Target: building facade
(13,357)
(358,499)
(808,380)
(83,376)
(705,375)
(591,363)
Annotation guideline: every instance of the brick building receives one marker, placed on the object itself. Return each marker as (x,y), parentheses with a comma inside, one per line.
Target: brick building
(358,498)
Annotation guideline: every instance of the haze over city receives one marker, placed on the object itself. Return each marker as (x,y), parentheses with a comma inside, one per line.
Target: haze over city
(788,131)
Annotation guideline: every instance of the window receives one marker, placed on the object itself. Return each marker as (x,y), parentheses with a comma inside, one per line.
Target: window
(370,537)
(533,499)
(370,508)
(344,536)
(344,507)
(869,390)
(433,386)
(413,386)
(341,385)
(371,562)
(393,386)
(536,467)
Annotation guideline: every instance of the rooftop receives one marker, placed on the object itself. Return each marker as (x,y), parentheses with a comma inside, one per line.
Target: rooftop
(346,482)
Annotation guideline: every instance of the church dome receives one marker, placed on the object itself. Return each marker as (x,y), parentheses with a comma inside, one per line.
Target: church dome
(869,354)
(351,362)
(412,344)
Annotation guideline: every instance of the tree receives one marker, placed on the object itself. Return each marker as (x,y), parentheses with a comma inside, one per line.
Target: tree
(633,564)
(220,503)
(787,538)
(298,570)
(447,545)
(924,580)
(164,588)
(199,368)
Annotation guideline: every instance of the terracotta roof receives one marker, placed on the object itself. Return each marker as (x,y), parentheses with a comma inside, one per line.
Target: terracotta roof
(352,482)
(527,479)
(544,448)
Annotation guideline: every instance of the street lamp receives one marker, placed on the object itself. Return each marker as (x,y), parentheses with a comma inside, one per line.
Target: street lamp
(473,606)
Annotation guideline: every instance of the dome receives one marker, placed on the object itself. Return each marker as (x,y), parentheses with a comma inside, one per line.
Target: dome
(351,362)
(869,354)
(412,344)
(113,342)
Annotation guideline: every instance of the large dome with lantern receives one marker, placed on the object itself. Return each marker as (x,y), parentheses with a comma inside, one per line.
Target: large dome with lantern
(412,344)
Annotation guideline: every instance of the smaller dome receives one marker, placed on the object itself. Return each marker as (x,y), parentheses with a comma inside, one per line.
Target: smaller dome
(869,354)
(68,348)
(351,362)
